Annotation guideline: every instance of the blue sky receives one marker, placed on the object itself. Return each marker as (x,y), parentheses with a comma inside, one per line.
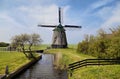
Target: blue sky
(23,16)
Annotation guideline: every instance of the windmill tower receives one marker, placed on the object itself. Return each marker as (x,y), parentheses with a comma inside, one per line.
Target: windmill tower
(59,39)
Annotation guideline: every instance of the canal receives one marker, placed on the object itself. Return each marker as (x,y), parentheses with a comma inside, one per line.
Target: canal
(43,69)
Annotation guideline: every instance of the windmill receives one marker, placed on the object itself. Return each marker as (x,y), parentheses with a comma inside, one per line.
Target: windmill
(59,39)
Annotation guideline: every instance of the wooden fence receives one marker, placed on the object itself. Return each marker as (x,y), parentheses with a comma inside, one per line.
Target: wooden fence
(3,49)
(88,62)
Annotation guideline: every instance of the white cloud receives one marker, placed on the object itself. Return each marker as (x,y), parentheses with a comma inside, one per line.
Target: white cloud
(26,15)
(104,13)
(30,17)
(8,27)
(100,3)
(42,14)
(114,19)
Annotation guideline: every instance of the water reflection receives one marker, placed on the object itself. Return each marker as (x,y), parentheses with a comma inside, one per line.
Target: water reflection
(43,69)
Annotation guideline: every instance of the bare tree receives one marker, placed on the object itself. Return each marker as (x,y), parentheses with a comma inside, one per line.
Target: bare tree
(34,39)
(26,39)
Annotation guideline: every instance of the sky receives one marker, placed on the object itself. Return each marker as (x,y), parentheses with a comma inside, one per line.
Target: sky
(23,16)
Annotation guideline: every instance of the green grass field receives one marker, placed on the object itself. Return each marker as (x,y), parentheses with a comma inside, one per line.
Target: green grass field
(69,55)
(91,72)
(39,47)
(97,72)
(14,60)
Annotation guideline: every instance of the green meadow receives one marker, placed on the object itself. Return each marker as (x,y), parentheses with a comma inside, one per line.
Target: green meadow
(70,55)
(39,47)
(97,72)
(14,60)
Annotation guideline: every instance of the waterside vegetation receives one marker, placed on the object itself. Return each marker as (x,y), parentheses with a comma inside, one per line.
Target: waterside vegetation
(70,55)
(103,45)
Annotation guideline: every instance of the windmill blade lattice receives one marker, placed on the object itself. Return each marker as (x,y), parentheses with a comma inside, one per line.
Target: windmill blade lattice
(47,26)
(72,26)
(59,35)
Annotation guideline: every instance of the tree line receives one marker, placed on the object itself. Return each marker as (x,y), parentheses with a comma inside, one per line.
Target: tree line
(103,45)
(3,44)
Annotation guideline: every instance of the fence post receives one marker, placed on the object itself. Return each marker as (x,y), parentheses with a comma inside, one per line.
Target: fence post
(6,71)
(71,71)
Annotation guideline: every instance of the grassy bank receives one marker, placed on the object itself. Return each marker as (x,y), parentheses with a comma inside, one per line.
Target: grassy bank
(14,60)
(97,72)
(70,55)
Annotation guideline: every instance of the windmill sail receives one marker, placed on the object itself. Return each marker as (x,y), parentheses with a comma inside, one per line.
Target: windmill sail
(47,25)
(59,39)
(59,15)
(72,26)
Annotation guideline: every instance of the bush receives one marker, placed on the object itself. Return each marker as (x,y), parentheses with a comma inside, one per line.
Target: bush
(103,45)
(3,44)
